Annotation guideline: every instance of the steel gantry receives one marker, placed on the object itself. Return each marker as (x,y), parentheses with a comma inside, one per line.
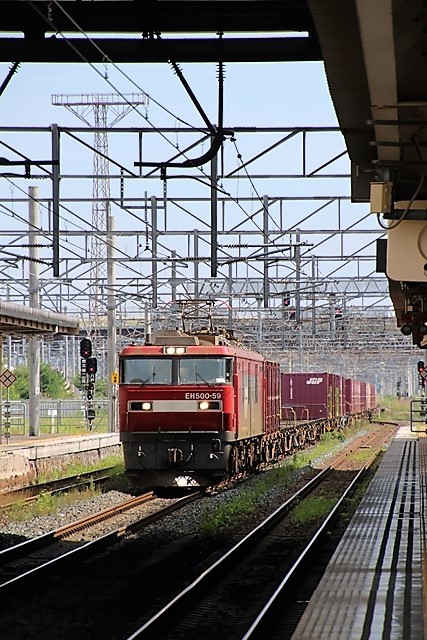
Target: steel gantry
(295,262)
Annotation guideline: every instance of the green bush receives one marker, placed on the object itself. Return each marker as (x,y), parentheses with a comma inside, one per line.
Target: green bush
(52,383)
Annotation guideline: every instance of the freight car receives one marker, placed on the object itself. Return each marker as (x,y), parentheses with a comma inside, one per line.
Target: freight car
(327,396)
(197,405)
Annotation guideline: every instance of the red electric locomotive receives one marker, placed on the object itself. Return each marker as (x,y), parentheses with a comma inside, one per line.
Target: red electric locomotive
(198,406)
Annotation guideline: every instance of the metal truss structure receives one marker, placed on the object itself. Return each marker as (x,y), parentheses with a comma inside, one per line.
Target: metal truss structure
(270,235)
(105,110)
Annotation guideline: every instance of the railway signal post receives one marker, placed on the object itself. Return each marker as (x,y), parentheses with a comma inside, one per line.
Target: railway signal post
(88,369)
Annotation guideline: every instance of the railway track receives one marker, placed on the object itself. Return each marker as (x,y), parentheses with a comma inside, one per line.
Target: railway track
(31,560)
(114,592)
(239,594)
(30,493)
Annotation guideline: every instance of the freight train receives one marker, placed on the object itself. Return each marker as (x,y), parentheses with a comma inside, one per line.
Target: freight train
(200,407)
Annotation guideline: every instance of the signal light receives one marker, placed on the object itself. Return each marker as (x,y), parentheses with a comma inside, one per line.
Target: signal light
(85,348)
(420,366)
(406,329)
(422,329)
(92,365)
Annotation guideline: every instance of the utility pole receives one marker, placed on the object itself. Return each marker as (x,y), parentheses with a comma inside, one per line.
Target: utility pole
(34,300)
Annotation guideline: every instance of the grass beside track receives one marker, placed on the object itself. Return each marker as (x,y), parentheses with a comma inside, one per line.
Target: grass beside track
(111,464)
(47,503)
(216,520)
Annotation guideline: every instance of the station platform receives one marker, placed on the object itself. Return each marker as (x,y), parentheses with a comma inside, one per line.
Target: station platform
(374,585)
(23,458)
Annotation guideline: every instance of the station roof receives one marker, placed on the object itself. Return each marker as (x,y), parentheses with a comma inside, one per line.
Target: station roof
(17,319)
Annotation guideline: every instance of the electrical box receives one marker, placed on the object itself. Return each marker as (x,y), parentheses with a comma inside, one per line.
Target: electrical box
(407,251)
(381,197)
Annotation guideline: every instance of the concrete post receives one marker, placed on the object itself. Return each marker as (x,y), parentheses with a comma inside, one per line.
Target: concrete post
(112,325)
(34,298)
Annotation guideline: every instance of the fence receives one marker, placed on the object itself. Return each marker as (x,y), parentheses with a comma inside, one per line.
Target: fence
(58,416)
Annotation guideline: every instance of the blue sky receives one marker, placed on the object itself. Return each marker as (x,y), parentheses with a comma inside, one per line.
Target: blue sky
(281,94)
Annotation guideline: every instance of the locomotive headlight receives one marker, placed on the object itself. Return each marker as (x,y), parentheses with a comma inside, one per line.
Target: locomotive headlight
(174,351)
(135,405)
(209,405)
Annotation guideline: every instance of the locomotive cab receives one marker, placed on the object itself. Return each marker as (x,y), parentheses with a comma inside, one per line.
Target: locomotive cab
(176,407)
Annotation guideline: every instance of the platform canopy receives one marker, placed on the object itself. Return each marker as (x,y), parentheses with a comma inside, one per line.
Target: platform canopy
(29,320)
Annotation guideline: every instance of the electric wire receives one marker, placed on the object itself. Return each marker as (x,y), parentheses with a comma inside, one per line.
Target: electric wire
(65,244)
(107,59)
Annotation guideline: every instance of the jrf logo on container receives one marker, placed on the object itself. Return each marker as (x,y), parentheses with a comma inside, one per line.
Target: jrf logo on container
(314,381)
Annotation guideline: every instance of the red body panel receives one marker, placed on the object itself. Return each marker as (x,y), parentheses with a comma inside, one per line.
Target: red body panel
(176,420)
(339,396)
(363,397)
(371,396)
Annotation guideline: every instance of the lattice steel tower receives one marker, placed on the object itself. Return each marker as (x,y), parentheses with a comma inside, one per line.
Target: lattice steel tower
(106,110)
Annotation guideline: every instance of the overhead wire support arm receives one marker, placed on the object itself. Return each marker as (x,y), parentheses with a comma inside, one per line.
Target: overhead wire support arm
(217,141)
(218,134)
(4,162)
(13,69)
(190,92)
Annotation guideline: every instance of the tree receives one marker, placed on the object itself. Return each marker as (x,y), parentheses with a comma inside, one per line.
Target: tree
(52,383)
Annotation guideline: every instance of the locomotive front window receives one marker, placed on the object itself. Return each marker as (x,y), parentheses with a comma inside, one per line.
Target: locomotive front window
(147,371)
(204,370)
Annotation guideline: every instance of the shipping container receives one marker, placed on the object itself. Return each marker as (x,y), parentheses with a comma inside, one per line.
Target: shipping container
(371,396)
(363,397)
(309,396)
(339,396)
(353,396)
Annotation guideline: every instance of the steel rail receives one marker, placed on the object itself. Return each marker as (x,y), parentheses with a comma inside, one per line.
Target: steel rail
(28,546)
(91,547)
(258,628)
(181,602)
